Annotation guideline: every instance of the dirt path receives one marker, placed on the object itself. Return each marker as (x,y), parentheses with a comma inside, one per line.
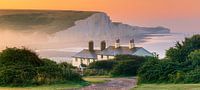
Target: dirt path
(113,84)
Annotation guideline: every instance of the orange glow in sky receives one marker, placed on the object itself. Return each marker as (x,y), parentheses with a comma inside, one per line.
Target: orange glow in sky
(179,15)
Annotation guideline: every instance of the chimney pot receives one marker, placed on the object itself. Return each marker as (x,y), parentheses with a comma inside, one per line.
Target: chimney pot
(103,45)
(117,43)
(91,46)
(131,44)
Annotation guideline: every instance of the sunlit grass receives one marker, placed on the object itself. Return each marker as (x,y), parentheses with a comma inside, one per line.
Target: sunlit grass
(168,87)
(96,79)
(46,87)
(91,79)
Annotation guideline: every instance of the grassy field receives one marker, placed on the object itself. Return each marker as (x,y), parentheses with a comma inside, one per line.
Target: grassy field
(168,87)
(46,87)
(96,79)
(40,20)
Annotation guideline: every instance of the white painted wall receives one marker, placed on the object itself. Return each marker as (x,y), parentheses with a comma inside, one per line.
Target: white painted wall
(77,61)
(104,57)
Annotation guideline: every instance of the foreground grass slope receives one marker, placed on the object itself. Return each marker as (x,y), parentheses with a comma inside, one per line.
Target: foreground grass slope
(69,85)
(41,20)
(168,87)
(46,87)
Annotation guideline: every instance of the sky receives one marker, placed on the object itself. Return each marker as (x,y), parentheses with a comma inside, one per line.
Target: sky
(178,15)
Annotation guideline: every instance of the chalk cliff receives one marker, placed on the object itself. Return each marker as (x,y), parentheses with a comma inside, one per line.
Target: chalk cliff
(100,27)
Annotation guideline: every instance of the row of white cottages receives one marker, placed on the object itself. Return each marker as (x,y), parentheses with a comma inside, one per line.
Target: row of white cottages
(87,56)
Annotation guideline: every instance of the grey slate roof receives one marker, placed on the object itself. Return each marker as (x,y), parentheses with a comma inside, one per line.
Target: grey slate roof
(85,53)
(112,51)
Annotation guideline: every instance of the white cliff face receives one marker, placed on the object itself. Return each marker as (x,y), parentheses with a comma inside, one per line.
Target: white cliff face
(99,27)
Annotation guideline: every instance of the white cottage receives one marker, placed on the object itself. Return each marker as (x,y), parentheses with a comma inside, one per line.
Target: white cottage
(90,55)
(86,56)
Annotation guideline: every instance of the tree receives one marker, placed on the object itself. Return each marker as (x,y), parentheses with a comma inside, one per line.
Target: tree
(181,50)
(194,57)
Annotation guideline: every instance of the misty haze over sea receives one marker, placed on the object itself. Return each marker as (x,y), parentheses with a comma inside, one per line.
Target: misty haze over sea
(158,43)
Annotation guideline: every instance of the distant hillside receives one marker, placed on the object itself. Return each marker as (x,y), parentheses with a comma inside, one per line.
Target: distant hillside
(40,20)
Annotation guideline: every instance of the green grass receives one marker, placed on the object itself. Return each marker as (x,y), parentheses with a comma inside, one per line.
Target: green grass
(47,87)
(96,79)
(70,85)
(168,87)
(49,21)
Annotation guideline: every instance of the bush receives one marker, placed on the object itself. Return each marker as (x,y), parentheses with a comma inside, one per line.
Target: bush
(193,76)
(177,77)
(48,73)
(17,76)
(17,66)
(128,57)
(15,56)
(95,72)
(127,68)
(106,65)
(51,72)
(194,57)
(149,71)
(21,67)
(157,71)
(66,65)
(121,65)
(180,66)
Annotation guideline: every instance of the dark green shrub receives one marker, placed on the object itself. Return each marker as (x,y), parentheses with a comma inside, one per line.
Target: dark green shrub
(149,71)
(48,73)
(106,65)
(66,65)
(128,57)
(157,71)
(15,56)
(181,64)
(95,72)
(121,65)
(193,76)
(21,67)
(17,76)
(127,68)
(194,57)
(17,66)
(52,72)
(177,77)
